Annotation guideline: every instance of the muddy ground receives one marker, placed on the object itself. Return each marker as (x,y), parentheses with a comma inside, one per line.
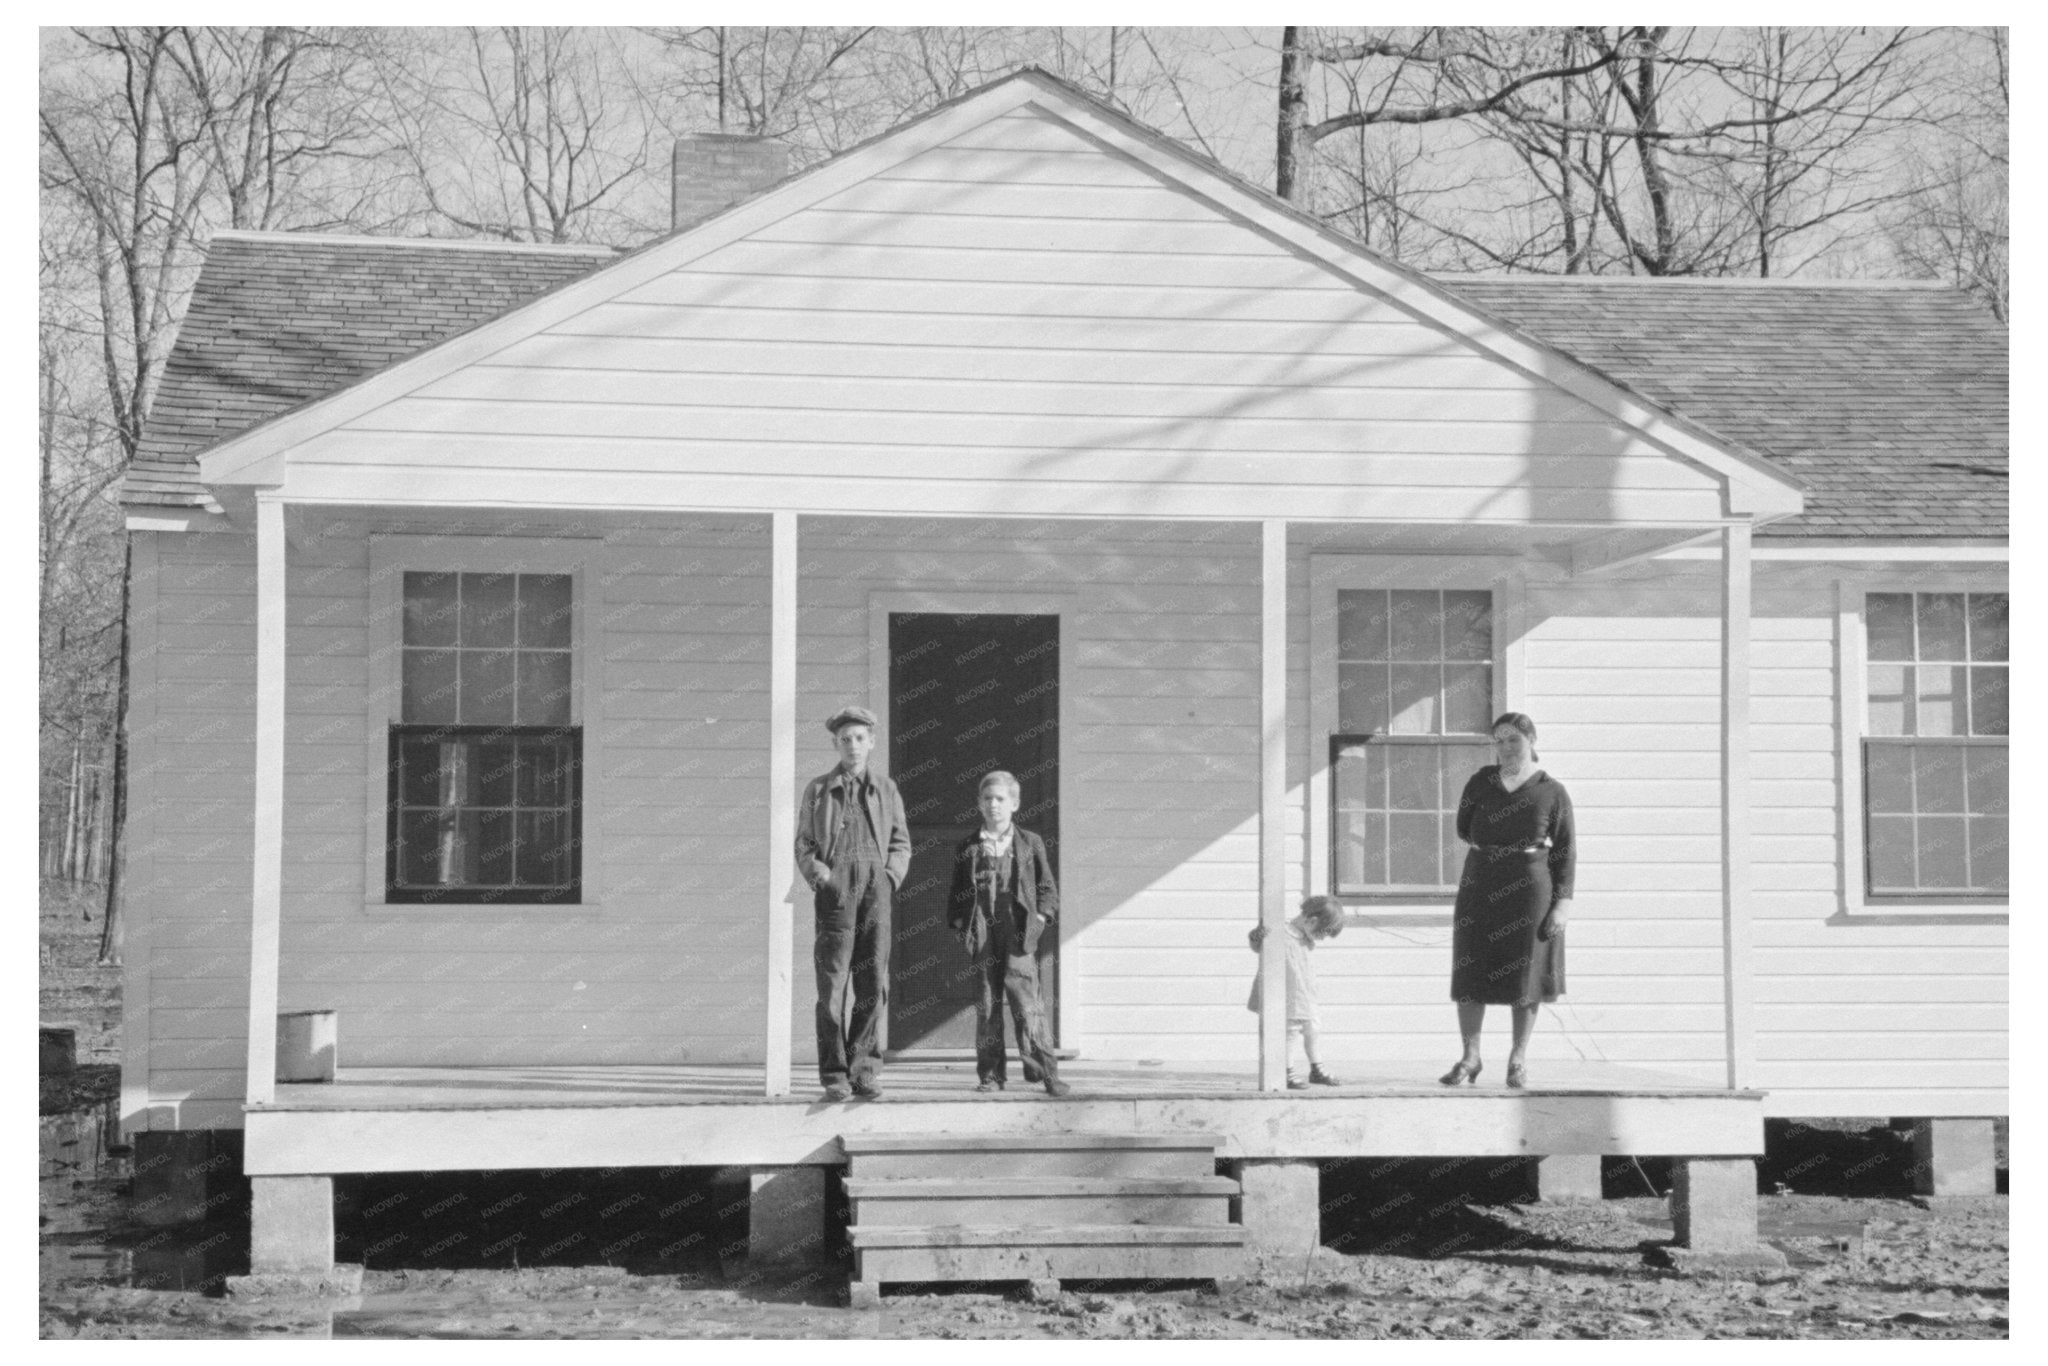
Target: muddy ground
(1411,1250)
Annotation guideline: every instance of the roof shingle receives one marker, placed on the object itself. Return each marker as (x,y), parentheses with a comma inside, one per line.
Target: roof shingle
(276,321)
(1886,400)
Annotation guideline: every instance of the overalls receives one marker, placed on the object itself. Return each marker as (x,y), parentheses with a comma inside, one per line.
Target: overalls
(853,911)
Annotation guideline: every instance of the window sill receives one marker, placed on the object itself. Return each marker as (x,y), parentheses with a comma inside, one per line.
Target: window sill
(1406,909)
(1928,910)
(381,907)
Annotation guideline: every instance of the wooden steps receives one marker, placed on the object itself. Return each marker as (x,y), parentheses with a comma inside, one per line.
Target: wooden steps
(1038,1208)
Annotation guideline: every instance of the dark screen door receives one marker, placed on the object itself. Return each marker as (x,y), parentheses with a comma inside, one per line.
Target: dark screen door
(967,694)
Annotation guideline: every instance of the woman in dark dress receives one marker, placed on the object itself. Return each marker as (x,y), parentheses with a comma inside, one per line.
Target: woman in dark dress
(1507,933)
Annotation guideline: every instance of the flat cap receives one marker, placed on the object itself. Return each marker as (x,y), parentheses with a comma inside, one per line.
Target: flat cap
(851,716)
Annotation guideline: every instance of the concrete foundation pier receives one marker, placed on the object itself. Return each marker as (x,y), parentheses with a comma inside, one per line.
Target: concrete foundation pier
(291,1225)
(291,1241)
(1568,1176)
(1714,1218)
(1280,1205)
(1954,1157)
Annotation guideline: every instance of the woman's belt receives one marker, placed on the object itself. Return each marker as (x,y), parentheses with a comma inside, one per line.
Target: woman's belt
(1511,848)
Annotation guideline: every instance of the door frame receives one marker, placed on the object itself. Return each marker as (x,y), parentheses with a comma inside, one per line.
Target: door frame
(1064,606)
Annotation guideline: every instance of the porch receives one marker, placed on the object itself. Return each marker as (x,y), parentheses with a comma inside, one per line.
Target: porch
(503,1118)
(546,1117)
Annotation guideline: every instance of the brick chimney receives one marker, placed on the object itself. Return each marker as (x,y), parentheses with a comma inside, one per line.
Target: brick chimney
(715,170)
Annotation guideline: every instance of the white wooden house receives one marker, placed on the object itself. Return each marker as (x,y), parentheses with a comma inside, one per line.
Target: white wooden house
(1262,529)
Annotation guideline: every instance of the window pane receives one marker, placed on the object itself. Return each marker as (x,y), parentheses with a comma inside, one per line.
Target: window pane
(1938,779)
(1362,699)
(419,772)
(1944,861)
(1987,780)
(427,686)
(1888,779)
(1891,699)
(1361,851)
(1888,623)
(1361,624)
(494,770)
(1941,626)
(543,858)
(1987,854)
(487,609)
(1412,777)
(1414,841)
(1417,689)
(1468,698)
(1988,699)
(543,688)
(494,848)
(419,848)
(1359,781)
(430,609)
(486,687)
(1468,625)
(1891,853)
(1938,711)
(1987,625)
(1417,630)
(544,773)
(455,853)
(1461,761)
(544,611)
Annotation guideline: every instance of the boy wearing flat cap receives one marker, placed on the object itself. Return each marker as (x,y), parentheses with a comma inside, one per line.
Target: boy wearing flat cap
(853,848)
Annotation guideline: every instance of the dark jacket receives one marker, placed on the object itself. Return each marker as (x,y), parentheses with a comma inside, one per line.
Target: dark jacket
(1035,892)
(817,825)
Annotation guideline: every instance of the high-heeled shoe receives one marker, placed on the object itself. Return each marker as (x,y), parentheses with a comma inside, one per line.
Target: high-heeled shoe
(1518,1076)
(1461,1072)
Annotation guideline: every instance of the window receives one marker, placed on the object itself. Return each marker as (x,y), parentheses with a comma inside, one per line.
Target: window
(1415,690)
(1934,756)
(484,796)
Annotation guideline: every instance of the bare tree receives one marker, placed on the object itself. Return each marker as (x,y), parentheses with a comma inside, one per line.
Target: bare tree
(524,134)
(1953,223)
(1640,149)
(150,138)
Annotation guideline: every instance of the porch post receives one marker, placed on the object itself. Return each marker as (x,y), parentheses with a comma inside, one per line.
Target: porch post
(267,900)
(1272,804)
(1736,965)
(781,794)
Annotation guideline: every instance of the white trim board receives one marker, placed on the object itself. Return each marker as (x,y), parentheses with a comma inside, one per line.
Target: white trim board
(1852,715)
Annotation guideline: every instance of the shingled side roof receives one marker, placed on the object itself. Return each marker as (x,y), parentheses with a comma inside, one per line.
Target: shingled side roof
(1887,401)
(277,320)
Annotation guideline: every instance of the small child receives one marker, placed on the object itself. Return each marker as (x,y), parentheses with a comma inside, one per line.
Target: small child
(1002,898)
(1322,917)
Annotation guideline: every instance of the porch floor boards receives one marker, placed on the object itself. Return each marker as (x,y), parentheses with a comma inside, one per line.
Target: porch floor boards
(915,1082)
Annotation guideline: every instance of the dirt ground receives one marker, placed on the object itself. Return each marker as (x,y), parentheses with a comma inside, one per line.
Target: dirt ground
(1865,1261)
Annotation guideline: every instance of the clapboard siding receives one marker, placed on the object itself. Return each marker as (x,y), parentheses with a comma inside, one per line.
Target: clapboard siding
(196,884)
(928,322)
(1840,999)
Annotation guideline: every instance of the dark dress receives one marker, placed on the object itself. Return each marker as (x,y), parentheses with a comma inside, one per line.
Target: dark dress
(1519,866)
